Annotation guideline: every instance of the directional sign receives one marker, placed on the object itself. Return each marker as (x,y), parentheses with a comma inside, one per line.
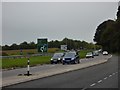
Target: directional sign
(42,45)
(63,47)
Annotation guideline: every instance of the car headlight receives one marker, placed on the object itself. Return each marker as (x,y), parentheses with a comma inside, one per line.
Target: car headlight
(72,59)
(58,58)
(63,58)
(51,59)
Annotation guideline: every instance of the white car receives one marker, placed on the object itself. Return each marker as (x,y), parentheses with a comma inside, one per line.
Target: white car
(105,53)
(89,55)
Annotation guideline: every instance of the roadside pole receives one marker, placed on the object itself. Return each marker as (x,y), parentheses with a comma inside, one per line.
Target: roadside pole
(28,67)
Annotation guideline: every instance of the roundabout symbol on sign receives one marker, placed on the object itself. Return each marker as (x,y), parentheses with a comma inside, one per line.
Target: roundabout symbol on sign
(43,48)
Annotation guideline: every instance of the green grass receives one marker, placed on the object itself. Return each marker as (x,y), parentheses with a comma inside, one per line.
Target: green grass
(22,62)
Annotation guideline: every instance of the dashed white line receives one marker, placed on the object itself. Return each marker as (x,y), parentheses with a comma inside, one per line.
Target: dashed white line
(110,75)
(92,84)
(113,74)
(116,72)
(105,78)
(99,81)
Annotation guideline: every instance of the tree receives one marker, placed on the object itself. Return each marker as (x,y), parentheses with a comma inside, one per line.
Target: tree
(71,44)
(24,45)
(32,45)
(108,34)
(14,47)
(6,47)
(100,30)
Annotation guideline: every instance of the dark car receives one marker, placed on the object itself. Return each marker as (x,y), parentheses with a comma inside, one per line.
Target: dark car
(71,57)
(57,58)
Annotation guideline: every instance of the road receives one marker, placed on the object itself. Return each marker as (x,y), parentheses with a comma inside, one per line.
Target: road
(99,76)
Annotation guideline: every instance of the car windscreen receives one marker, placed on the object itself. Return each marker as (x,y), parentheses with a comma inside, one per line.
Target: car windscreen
(95,51)
(89,53)
(69,54)
(57,55)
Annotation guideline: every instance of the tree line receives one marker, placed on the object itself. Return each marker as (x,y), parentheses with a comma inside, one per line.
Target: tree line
(108,34)
(71,44)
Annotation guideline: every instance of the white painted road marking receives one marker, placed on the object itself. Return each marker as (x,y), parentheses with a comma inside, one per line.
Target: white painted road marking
(105,78)
(99,81)
(113,74)
(92,84)
(110,75)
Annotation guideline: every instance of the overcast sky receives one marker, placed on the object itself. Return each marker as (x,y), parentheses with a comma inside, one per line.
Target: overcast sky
(53,20)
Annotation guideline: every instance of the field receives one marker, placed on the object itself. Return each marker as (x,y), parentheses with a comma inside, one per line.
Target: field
(27,51)
(34,60)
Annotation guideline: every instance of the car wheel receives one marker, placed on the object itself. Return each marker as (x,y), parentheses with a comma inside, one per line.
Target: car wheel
(75,62)
(78,61)
(63,63)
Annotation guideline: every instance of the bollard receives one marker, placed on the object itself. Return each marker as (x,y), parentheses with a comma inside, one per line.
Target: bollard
(28,67)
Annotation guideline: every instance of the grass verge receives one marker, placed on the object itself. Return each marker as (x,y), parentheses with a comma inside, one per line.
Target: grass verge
(22,62)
